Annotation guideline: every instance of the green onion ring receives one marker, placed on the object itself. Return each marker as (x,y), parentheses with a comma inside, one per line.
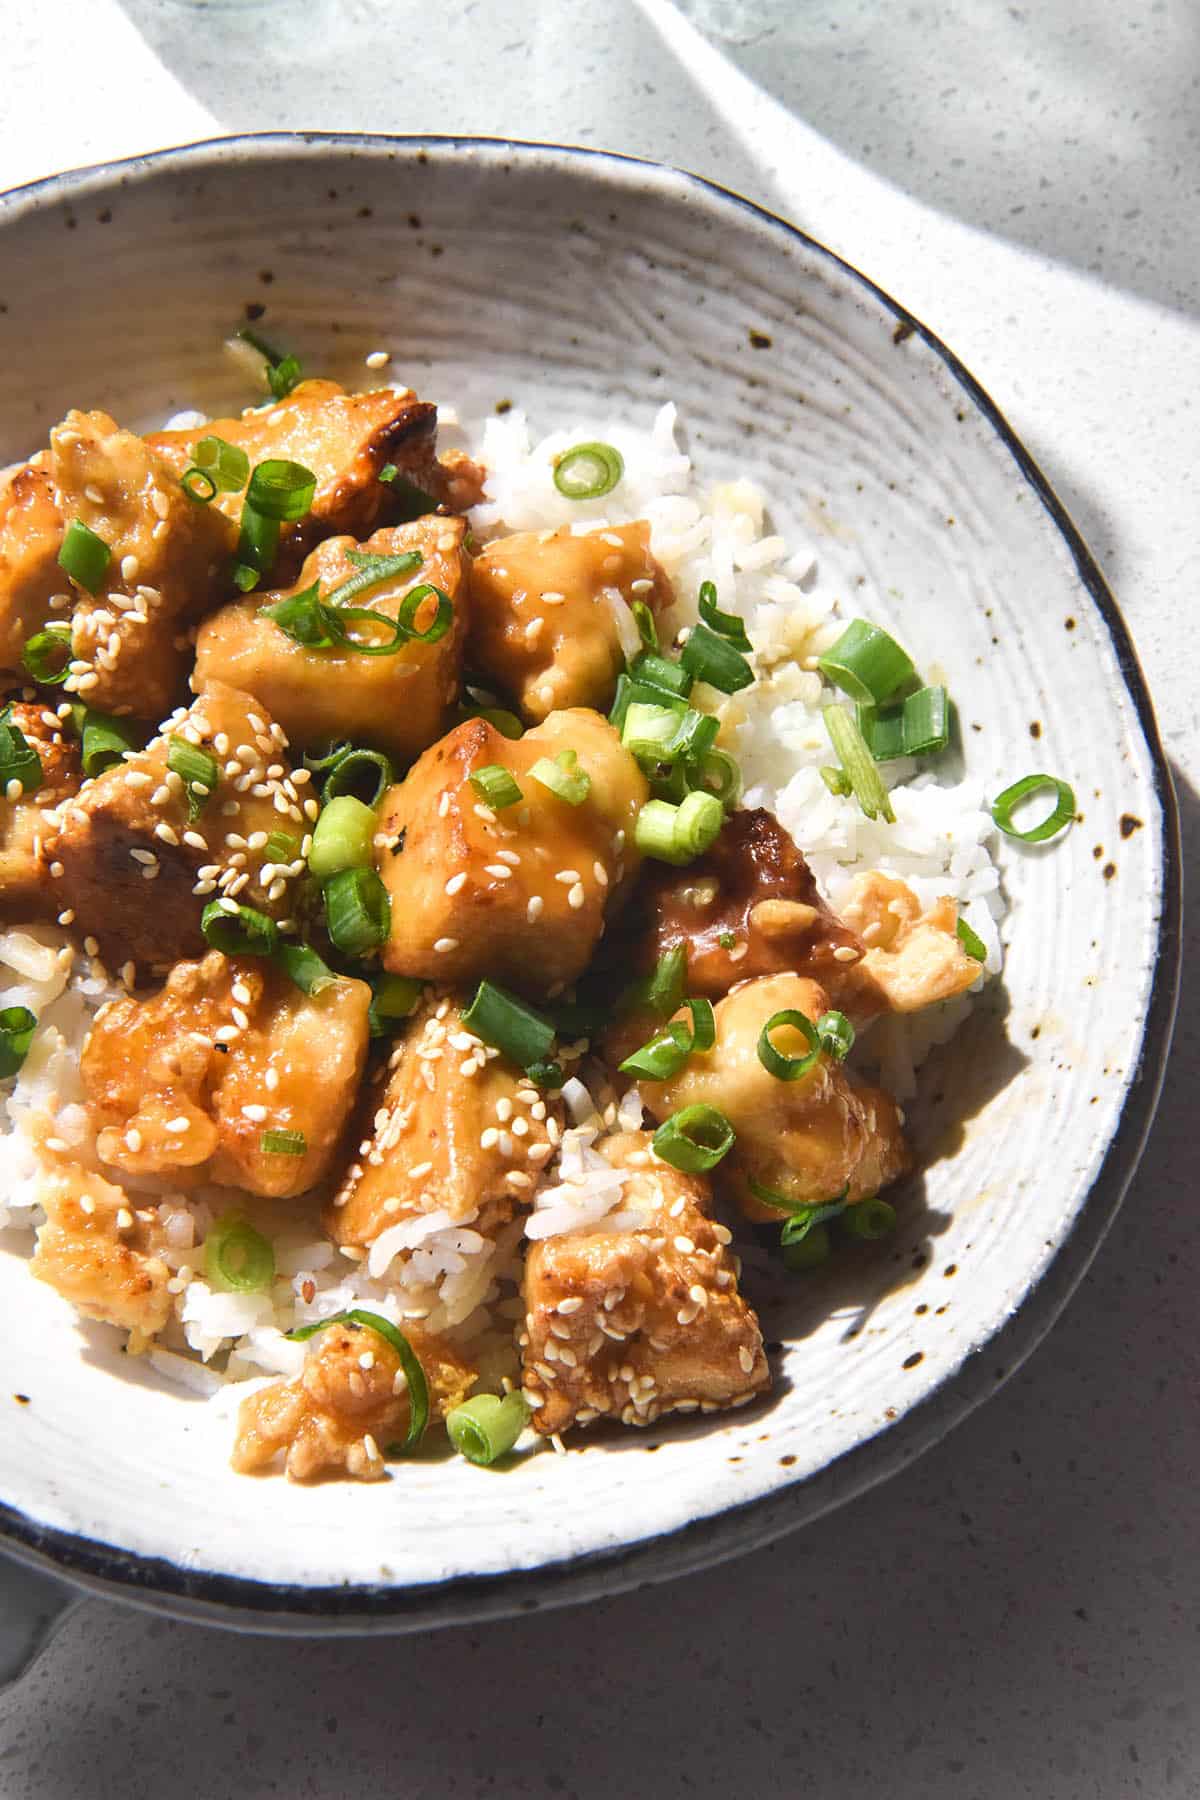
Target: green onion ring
(414,1374)
(1063,812)
(789,1068)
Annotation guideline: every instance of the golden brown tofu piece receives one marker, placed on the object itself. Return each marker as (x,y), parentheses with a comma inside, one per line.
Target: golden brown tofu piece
(138,872)
(31,535)
(170,560)
(913,958)
(456,1128)
(97,1252)
(519,895)
(806,1139)
(344,439)
(754,886)
(398,703)
(550,619)
(633,1323)
(348,1407)
(186,1082)
(26,890)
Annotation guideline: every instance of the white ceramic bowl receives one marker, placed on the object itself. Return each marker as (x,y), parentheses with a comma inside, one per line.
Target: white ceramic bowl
(559,278)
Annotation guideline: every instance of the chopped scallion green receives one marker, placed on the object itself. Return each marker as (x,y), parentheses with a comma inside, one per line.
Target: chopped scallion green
(1062,814)
(858,767)
(588,471)
(866,663)
(485,1428)
(47,654)
(707,656)
(237,1258)
(240,932)
(679,834)
(17,1026)
(526,1037)
(343,837)
(496,786)
(198,770)
(695,1139)
(563,777)
(357,911)
(84,555)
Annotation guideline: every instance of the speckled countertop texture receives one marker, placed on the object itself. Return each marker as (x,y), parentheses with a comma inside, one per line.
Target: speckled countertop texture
(1018,1614)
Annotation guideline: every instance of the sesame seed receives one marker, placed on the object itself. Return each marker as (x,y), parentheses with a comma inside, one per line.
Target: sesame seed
(143,856)
(256,1114)
(698,1294)
(57,871)
(501,871)
(577,897)
(571,1305)
(86,1203)
(601,873)
(516,1178)
(685,1246)
(271,1080)
(14,789)
(241,993)
(377,358)
(177,1125)
(746,1359)
(568,877)
(444,945)
(241,1021)
(534,907)
(85,683)
(166,833)
(67,916)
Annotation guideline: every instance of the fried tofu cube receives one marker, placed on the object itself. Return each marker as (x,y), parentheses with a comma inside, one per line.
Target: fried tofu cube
(551,620)
(806,1139)
(520,895)
(97,1252)
(398,703)
(754,887)
(350,1404)
(137,871)
(629,1324)
(187,1082)
(346,440)
(31,535)
(26,891)
(913,957)
(169,561)
(456,1129)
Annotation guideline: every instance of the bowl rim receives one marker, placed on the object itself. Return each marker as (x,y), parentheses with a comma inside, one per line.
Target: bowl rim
(211,1597)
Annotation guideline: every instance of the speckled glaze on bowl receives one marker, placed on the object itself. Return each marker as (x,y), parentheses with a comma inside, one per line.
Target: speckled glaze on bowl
(557,279)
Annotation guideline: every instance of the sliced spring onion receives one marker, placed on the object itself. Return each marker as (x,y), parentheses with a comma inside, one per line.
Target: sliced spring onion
(836,780)
(237,1258)
(868,1220)
(198,485)
(918,726)
(414,1374)
(661,674)
(971,942)
(280,489)
(588,471)
(302,964)
(198,770)
(84,555)
(343,837)
(283,1142)
(19,761)
(836,1034)
(281,372)
(707,656)
(679,834)
(367,774)
(302,618)
(411,605)
(245,578)
(719,774)
(644,619)
(392,997)
(660,992)
(668,1050)
(105,740)
(358,912)
(859,769)
(775,1062)
(508,1025)
(726,625)
(654,732)
(496,786)
(506,723)
(408,500)
(810,1251)
(546,1074)
(257,545)
(802,1214)
(241,933)
(322,759)
(17,1026)
(563,777)
(47,653)
(485,1428)
(727,940)
(372,572)
(695,1139)
(1063,812)
(281,848)
(226,465)
(866,663)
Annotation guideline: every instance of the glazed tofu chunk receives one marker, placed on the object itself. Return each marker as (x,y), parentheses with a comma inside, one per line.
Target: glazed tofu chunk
(26,891)
(913,958)
(349,1405)
(455,1129)
(346,440)
(169,561)
(632,1323)
(807,1139)
(137,870)
(187,1082)
(97,1252)
(519,894)
(396,703)
(551,620)
(753,887)
(31,535)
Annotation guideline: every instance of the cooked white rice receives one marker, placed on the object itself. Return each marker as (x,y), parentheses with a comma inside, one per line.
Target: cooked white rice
(431,1269)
